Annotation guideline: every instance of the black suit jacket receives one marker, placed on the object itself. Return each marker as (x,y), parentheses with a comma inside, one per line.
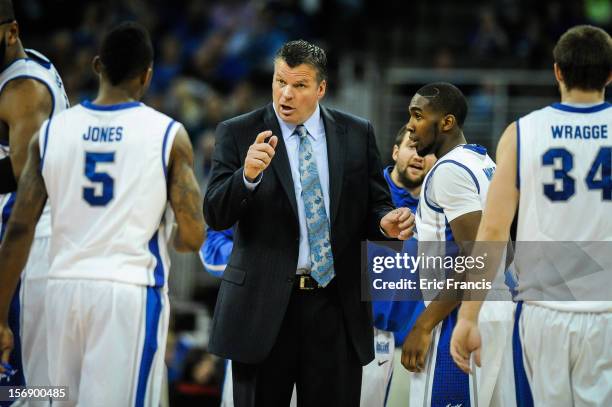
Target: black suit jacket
(258,280)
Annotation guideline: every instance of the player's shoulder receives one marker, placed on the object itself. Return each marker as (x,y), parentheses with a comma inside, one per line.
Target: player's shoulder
(537,114)
(154,113)
(461,165)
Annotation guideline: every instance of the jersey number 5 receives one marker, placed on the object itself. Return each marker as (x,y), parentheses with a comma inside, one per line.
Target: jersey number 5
(101,178)
(602,166)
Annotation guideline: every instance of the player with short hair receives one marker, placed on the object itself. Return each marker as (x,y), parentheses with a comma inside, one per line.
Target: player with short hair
(109,168)
(555,164)
(31,91)
(450,208)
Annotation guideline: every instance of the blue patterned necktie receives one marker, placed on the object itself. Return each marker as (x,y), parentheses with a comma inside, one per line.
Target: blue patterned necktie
(321,259)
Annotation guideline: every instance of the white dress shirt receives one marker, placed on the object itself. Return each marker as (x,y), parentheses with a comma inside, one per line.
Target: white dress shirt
(316,133)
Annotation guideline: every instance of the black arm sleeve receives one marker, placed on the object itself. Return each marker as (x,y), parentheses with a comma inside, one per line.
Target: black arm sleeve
(7,177)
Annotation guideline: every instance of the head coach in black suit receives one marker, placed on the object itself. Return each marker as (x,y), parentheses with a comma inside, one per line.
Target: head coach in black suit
(289,308)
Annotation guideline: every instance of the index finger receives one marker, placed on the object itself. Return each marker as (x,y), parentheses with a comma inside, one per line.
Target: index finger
(261,137)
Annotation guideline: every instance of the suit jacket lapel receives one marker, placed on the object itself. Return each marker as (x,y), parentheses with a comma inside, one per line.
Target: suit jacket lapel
(280,162)
(336,150)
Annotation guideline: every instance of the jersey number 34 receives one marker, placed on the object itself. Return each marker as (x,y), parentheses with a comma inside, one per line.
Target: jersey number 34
(602,166)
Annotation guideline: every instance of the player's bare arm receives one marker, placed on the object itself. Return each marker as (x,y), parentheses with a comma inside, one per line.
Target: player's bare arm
(185,196)
(24,105)
(502,200)
(416,344)
(31,198)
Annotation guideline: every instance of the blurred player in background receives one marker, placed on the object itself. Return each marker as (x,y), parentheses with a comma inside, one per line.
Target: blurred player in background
(562,186)
(450,209)
(109,167)
(31,91)
(391,319)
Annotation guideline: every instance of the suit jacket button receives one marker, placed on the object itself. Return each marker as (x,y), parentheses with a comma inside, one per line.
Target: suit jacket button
(290,279)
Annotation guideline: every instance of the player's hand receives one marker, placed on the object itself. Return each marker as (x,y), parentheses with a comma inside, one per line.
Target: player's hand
(415,348)
(6,344)
(260,155)
(465,341)
(398,224)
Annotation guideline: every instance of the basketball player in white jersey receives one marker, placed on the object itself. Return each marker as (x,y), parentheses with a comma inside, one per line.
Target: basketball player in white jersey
(109,168)
(450,208)
(555,166)
(31,91)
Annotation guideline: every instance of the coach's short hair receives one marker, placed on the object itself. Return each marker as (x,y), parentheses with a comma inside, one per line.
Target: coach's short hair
(446,98)
(299,52)
(126,52)
(584,55)
(7,12)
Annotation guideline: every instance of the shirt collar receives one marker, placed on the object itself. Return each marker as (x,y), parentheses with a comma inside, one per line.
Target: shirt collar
(313,124)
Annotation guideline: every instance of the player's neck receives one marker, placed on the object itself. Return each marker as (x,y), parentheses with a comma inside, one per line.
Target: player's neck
(14,53)
(450,142)
(111,95)
(582,96)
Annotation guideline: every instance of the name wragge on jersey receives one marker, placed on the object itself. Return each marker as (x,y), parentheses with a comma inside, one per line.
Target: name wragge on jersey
(594,132)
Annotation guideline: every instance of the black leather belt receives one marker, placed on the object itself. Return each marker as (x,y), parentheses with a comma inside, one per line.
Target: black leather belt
(305,282)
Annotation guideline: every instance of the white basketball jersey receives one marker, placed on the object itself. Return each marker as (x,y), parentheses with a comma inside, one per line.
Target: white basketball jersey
(564,158)
(36,66)
(457,184)
(105,169)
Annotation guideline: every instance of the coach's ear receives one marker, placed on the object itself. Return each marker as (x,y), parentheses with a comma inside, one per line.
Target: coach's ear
(448,122)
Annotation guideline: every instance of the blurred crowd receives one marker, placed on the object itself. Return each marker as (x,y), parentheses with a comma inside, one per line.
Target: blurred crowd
(213,62)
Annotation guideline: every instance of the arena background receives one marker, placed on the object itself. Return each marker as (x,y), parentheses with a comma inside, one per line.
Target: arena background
(213,61)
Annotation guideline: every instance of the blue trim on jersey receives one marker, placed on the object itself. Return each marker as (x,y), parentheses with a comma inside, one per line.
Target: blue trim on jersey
(575,109)
(44,151)
(521,384)
(110,108)
(158,272)
(149,348)
(518,155)
(465,168)
(430,204)
(36,79)
(38,60)
(450,385)
(4,143)
(6,213)
(164,163)
(448,232)
(477,148)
